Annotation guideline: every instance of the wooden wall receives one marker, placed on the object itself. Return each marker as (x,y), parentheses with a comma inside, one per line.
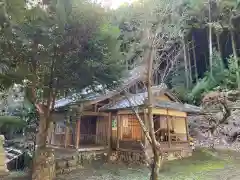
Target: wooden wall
(130,128)
(102,130)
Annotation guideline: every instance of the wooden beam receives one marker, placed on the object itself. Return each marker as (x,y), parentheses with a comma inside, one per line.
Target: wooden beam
(129,111)
(170,112)
(118,129)
(90,113)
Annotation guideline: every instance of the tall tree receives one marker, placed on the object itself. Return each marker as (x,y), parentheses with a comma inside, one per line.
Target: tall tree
(62,48)
(161,25)
(210,39)
(194,58)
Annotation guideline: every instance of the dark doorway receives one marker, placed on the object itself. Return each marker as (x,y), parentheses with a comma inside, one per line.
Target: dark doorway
(88,130)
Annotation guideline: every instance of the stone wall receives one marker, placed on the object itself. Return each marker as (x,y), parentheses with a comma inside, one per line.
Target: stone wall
(177,154)
(3,167)
(78,160)
(133,157)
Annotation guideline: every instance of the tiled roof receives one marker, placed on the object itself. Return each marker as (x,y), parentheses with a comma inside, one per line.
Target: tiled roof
(78,98)
(63,102)
(139,100)
(132,76)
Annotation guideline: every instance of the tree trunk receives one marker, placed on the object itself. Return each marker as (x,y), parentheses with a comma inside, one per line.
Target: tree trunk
(185,62)
(189,66)
(43,161)
(220,50)
(235,57)
(210,39)
(156,160)
(194,59)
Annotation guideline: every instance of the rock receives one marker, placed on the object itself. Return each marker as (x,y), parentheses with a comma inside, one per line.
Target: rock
(61,164)
(3,167)
(72,163)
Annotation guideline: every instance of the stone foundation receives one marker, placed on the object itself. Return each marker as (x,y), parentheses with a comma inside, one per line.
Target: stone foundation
(3,167)
(78,160)
(128,157)
(140,157)
(177,155)
(83,159)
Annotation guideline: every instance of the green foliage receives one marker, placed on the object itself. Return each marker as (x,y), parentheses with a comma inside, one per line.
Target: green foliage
(209,82)
(224,78)
(11,120)
(230,80)
(69,46)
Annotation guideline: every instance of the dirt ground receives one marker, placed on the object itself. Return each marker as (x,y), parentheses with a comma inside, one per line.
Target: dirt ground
(203,165)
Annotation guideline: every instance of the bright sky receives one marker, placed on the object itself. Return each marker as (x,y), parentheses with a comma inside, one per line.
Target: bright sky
(115,3)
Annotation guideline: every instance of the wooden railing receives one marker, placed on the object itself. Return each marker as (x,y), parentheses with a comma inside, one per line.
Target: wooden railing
(173,137)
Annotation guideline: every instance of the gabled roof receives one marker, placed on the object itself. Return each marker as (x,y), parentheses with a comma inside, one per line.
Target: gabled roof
(139,99)
(132,77)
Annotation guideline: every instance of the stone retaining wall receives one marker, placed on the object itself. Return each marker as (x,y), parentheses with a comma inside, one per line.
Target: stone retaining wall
(133,157)
(128,157)
(78,160)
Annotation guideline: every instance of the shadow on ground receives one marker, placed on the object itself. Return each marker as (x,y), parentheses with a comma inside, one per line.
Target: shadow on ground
(203,165)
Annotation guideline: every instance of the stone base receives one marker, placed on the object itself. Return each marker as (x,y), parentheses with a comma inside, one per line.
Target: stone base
(78,160)
(128,157)
(177,155)
(3,166)
(140,157)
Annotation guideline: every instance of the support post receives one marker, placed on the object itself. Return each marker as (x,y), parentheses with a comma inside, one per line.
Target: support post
(146,124)
(187,131)
(77,133)
(168,131)
(109,132)
(66,133)
(118,129)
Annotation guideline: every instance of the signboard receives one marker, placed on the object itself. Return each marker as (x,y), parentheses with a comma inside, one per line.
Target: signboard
(114,124)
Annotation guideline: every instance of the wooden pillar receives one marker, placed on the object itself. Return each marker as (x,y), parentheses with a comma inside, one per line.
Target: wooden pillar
(168,131)
(77,133)
(66,142)
(109,131)
(118,129)
(187,131)
(146,124)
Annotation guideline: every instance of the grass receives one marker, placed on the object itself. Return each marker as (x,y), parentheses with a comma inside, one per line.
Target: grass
(200,165)
(203,165)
